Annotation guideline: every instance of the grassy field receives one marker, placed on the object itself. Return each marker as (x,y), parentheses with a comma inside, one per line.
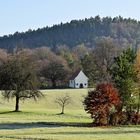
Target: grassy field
(41,121)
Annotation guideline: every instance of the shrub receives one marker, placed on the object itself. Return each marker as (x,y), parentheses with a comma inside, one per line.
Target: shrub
(99,102)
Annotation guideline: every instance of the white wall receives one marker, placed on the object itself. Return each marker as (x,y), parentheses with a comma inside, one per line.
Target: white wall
(81,79)
(71,83)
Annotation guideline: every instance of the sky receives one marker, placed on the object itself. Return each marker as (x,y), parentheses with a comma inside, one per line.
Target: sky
(21,15)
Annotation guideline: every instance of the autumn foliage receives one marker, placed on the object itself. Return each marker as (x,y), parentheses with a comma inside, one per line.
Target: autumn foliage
(101,102)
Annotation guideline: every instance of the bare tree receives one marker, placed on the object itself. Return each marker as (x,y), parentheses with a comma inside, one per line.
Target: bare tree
(63,101)
(103,56)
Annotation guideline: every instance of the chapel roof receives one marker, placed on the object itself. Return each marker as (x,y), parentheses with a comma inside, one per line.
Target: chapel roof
(75,74)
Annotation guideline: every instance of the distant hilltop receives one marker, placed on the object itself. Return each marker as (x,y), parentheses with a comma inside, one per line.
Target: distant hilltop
(86,31)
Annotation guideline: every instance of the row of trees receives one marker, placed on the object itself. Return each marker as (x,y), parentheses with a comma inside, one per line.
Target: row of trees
(19,78)
(117,101)
(94,62)
(24,71)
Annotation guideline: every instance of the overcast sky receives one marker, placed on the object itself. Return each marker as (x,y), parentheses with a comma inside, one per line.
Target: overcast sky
(21,15)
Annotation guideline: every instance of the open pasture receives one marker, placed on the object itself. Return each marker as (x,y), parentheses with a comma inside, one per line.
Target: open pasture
(41,120)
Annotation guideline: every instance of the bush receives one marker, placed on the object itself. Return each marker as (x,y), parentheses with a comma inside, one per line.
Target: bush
(134,118)
(125,118)
(99,102)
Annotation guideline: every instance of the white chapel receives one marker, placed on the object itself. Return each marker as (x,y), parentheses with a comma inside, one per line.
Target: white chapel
(78,80)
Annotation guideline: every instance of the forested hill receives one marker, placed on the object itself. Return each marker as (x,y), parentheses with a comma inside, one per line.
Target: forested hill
(87,31)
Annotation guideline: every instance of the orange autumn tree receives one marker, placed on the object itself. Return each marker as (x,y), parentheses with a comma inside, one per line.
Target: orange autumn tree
(100,101)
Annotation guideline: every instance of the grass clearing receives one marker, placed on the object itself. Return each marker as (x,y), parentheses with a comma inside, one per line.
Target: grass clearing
(41,121)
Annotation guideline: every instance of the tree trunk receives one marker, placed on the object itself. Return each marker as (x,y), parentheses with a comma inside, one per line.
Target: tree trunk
(62,110)
(17,104)
(108,117)
(53,83)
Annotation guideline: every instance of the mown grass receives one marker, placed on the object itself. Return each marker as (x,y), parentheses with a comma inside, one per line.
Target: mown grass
(41,121)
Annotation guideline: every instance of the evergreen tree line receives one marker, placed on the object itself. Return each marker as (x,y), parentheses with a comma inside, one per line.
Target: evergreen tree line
(88,31)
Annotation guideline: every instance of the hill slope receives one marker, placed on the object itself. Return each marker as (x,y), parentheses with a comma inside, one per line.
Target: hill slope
(76,32)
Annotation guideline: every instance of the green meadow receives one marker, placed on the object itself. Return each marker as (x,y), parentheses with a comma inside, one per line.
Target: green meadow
(40,120)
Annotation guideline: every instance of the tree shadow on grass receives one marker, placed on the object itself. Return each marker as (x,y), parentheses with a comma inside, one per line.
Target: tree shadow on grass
(22,138)
(8,112)
(71,115)
(26,125)
(12,126)
(41,124)
(101,132)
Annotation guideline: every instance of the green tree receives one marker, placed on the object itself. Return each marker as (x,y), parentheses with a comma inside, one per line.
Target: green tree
(124,76)
(54,72)
(90,68)
(18,79)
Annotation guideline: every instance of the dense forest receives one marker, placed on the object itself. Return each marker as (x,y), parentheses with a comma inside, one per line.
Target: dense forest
(88,31)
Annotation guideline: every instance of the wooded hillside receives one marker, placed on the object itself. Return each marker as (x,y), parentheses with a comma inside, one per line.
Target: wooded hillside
(87,31)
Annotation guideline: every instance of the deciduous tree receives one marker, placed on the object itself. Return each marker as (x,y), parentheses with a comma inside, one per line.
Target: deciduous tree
(90,68)
(63,101)
(99,102)
(54,72)
(18,79)
(104,53)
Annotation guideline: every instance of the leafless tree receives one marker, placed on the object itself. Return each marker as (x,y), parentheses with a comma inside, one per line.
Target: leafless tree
(103,55)
(63,101)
